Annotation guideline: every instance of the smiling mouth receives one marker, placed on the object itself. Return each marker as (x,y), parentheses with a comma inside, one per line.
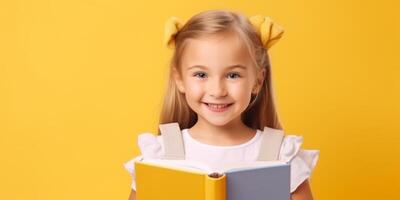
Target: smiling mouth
(218,107)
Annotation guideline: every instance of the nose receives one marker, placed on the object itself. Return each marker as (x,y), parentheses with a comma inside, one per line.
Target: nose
(217,88)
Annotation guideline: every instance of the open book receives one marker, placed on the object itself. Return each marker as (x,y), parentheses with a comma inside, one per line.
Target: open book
(191,180)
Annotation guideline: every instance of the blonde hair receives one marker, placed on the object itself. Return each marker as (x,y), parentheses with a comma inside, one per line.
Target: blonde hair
(261,111)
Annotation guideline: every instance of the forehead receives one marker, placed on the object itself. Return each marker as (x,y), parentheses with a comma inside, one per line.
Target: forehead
(219,51)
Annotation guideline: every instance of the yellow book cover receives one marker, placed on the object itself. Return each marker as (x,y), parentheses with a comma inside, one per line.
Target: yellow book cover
(190,180)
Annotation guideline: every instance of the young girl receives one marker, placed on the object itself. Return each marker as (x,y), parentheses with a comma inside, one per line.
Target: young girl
(220,94)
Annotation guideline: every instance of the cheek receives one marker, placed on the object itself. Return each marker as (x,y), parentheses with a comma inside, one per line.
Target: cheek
(193,90)
(241,91)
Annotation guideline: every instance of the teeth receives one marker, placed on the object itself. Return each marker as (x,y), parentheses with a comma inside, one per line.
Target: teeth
(218,105)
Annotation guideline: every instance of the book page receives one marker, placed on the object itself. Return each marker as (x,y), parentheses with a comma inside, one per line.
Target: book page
(187,165)
(227,166)
(220,167)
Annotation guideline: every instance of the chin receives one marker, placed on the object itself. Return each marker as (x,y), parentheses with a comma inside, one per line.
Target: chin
(219,122)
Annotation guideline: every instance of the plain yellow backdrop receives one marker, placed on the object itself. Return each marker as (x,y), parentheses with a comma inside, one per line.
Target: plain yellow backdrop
(79,80)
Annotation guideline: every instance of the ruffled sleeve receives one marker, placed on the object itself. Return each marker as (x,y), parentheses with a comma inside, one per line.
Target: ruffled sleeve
(302,162)
(150,147)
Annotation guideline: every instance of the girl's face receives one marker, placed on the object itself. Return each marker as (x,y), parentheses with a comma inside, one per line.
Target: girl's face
(218,70)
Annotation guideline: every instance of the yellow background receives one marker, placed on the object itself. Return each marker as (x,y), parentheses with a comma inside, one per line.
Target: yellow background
(80,79)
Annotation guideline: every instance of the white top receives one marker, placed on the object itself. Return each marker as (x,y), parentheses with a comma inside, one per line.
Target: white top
(302,162)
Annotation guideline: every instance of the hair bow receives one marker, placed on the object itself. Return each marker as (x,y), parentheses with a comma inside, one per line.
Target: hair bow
(172,27)
(268,30)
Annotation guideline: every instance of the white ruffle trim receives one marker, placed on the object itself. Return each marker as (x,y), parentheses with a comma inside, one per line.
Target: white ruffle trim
(130,167)
(149,145)
(302,162)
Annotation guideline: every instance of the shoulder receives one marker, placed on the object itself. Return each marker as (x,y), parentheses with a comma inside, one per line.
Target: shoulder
(150,145)
(302,161)
(292,147)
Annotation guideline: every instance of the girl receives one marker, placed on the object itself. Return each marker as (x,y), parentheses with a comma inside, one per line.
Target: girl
(220,93)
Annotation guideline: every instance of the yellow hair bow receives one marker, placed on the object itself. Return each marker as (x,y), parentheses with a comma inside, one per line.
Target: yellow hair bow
(172,27)
(269,31)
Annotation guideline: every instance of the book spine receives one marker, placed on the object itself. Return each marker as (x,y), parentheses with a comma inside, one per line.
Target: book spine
(215,188)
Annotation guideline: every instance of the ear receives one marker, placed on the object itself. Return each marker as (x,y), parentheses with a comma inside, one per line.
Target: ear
(178,80)
(259,81)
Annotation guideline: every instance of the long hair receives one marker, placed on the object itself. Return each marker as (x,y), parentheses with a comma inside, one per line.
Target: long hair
(261,110)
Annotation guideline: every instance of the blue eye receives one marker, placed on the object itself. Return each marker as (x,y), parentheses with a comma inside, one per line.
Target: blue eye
(234,74)
(198,74)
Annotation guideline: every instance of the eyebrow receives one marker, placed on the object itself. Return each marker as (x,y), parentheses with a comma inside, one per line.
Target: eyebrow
(230,67)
